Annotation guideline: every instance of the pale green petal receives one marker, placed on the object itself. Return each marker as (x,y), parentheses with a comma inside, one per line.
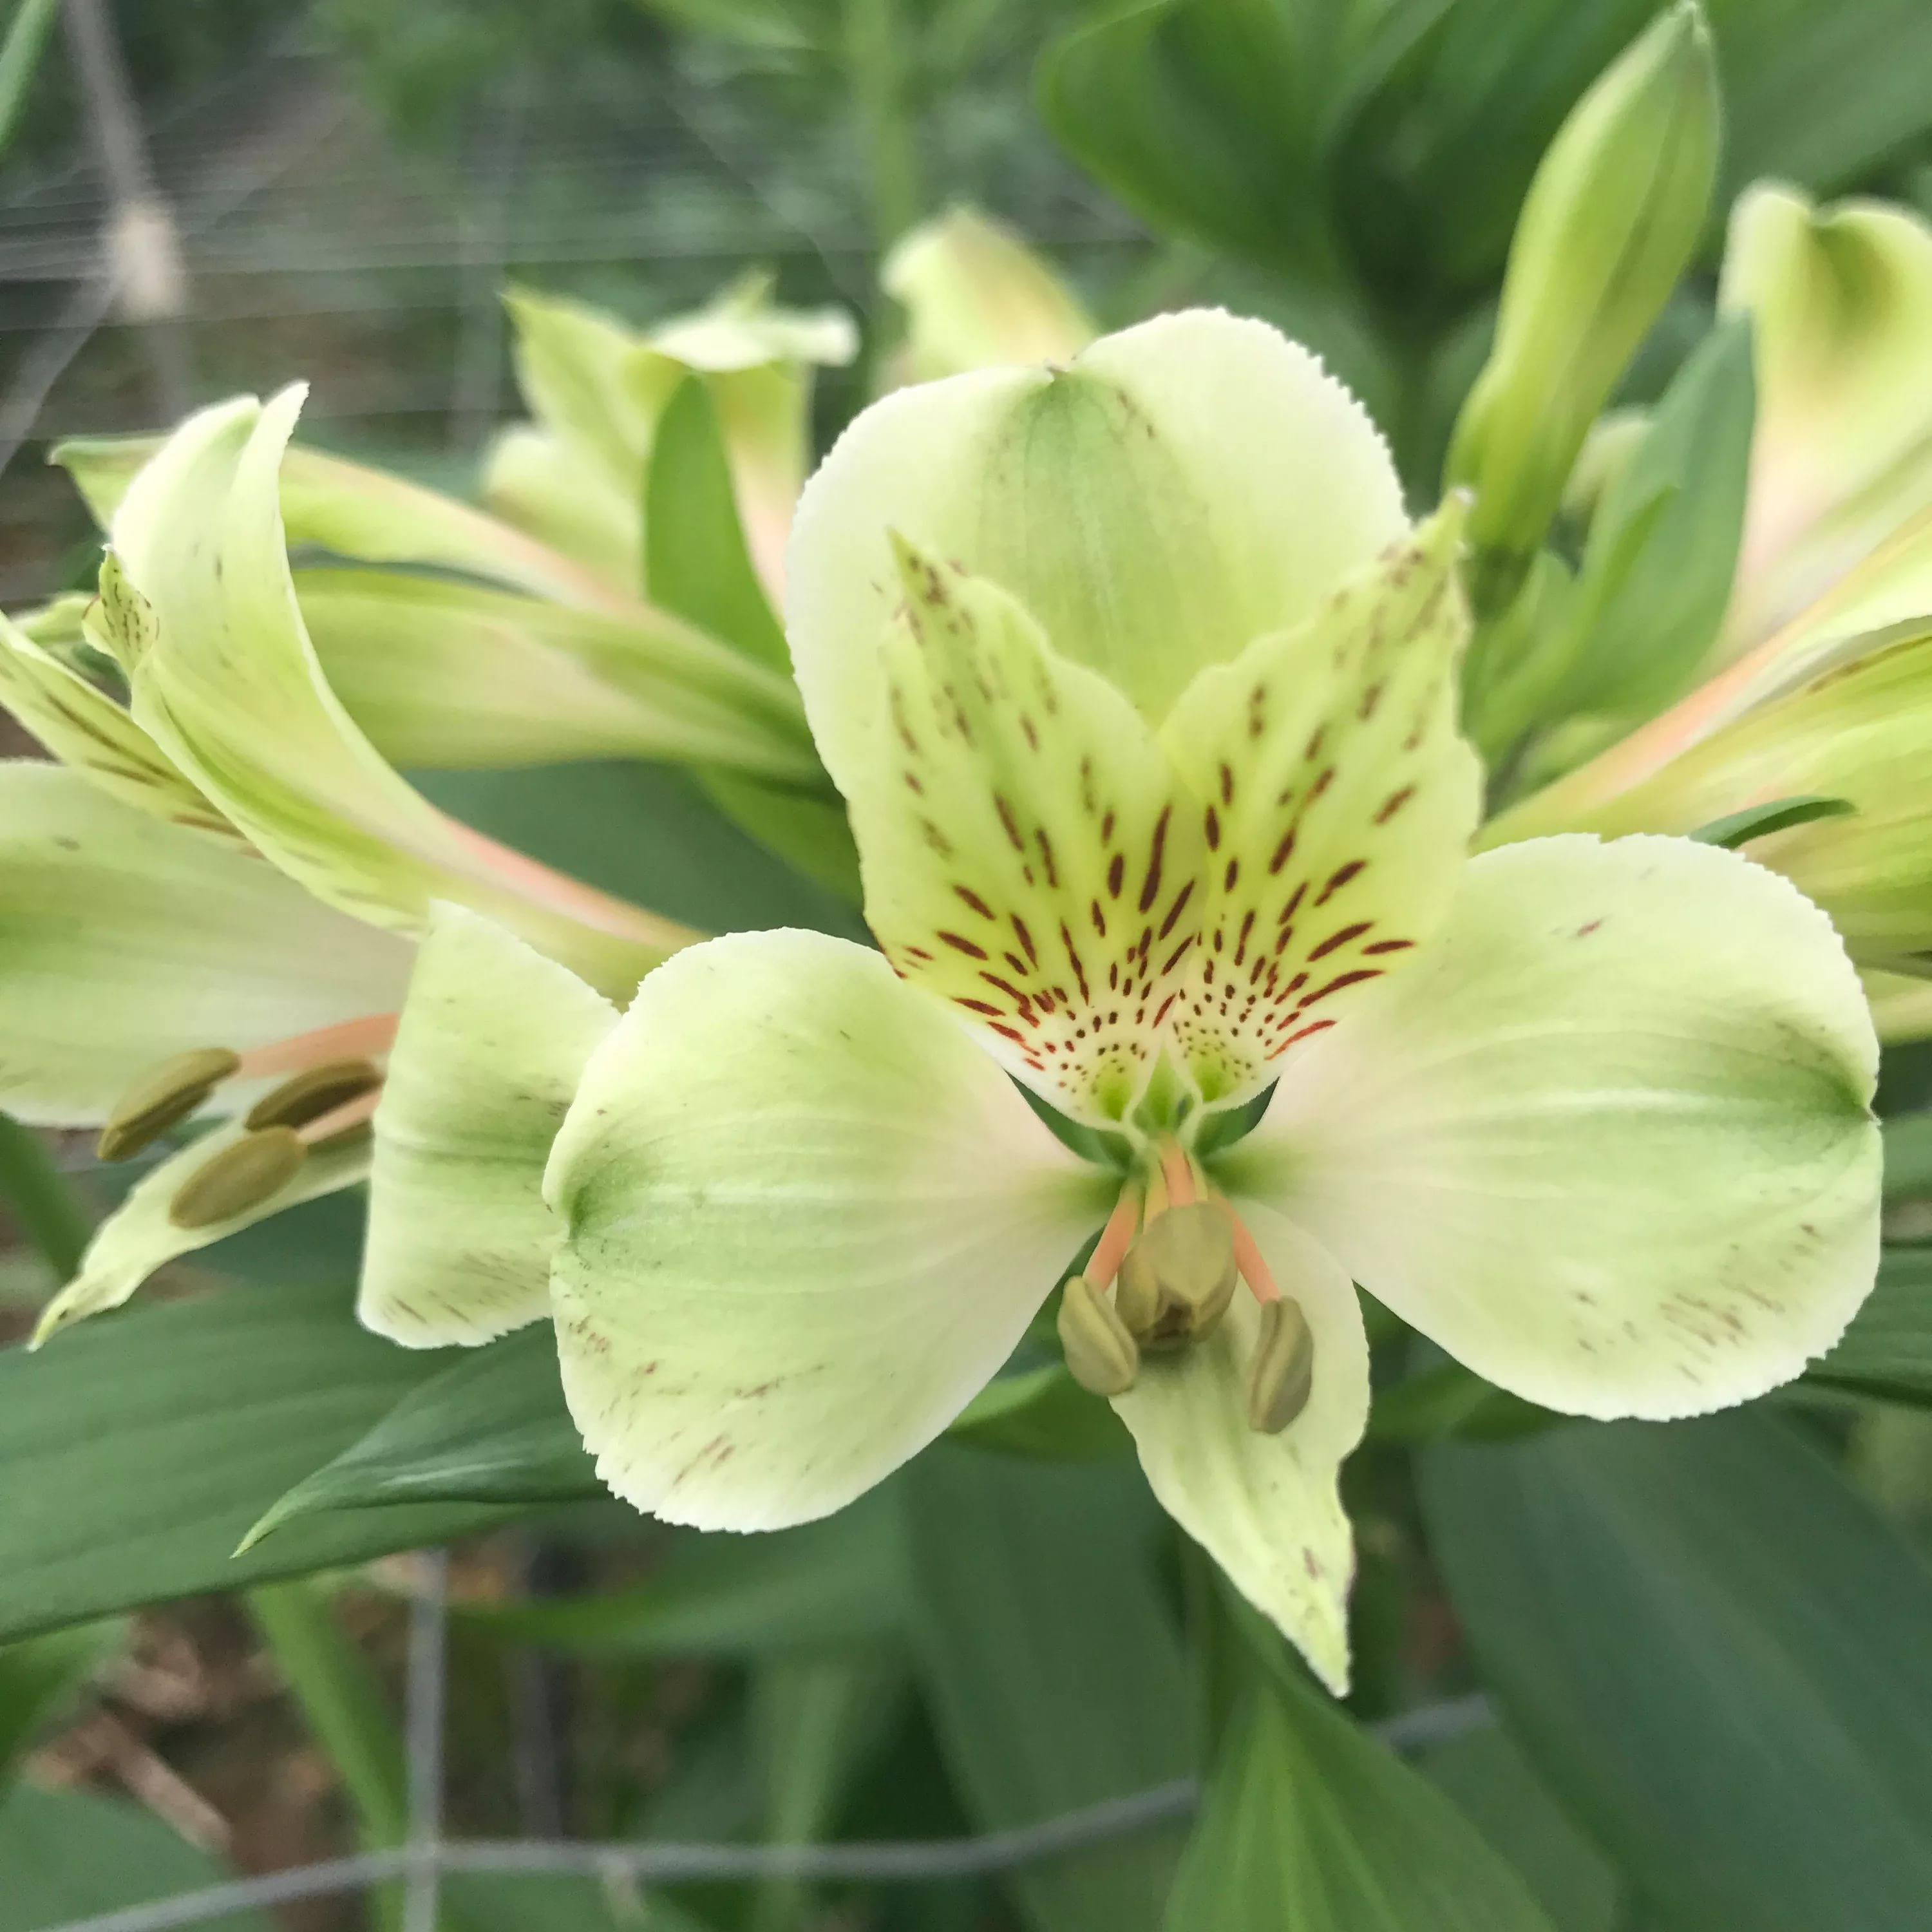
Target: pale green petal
(1023,853)
(1266,1508)
(1862,732)
(1337,801)
(1841,300)
(124,941)
(357,512)
(1607,1142)
(975,296)
(138,1237)
(198,594)
(442,672)
(87,730)
(808,1218)
(541,483)
(1177,491)
(493,1041)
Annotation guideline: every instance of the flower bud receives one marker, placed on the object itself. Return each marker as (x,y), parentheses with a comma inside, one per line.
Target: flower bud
(1101,1355)
(1177,1279)
(976,296)
(1608,225)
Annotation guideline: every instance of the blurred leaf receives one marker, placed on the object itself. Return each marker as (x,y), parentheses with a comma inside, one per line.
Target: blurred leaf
(1716,1654)
(784,26)
(70,1854)
(647,832)
(1908,1156)
(696,559)
(20,50)
(839,1581)
(1051,1663)
(136,1449)
(40,1676)
(1758,821)
(1041,1411)
(1663,548)
(1819,94)
(1498,1790)
(1204,117)
(1887,1350)
(490,1428)
(809,832)
(507,1903)
(1308,1821)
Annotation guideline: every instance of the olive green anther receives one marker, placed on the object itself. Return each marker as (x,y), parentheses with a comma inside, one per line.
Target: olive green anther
(161,1098)
(1281,1373)
(1101,1355)
(310,1095)
(1178,1277)
(244,1174)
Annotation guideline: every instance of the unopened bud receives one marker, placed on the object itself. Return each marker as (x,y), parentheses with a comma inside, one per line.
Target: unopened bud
(244,1174)
(1610,223)
(1101,1355)
(310,1095)
(162,1097)
(1177,1279)
(1282,1372)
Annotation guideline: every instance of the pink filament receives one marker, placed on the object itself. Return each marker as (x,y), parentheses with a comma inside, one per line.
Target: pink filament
(1248,1259)
(1178,1172)
(339,1119)
(1116,1238)
(349,1040)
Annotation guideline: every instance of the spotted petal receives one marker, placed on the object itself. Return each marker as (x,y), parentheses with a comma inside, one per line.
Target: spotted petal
(493,1041)
(1175,492)
(807,1220)
(1337,801)
(1266,1508)
(198,600)
(1608,1142)
(1022,853)
(124,941)
(138,1237)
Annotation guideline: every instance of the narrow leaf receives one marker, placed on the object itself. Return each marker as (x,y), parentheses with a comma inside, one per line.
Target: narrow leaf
(1757,821)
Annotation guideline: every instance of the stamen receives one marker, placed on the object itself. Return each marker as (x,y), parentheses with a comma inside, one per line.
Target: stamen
(1177,1279)
(162,1097)
(1115,1238)
(1178,1172)
(1248,1259)
(340,1121)
(310,1095)
(357,1039)
(1281,1373)
(1101,1354)
(244,1174)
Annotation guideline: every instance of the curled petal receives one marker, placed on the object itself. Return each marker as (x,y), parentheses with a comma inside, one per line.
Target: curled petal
(807,1219)
(1609,1142)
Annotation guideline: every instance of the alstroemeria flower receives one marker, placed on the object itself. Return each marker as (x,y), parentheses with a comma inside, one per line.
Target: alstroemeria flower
(228,879)
(1141,694)
(1840,303)
(597,387)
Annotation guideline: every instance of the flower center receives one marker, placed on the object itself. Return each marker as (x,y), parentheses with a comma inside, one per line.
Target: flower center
(332,1085)
(1172,1253)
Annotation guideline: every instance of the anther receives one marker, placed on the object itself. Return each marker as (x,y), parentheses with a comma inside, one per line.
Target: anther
(310,1094)
(1101,1355)
(1281,1372)
(162,1097)
(244,1174)
(1177,1279)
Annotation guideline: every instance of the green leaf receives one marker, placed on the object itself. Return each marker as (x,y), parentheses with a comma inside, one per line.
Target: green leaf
(1051,1663)
(70,1854)
(135,1451)
(1908,1157)
(1715,1654)
(1756,821)
(836,1582)
(38,1677)
(809,830)
(1041,1411)
(1310,1822)
(1497,1789)
(20,50)
(490,1428)
(1662,545)
(1887,1350)
(696,559)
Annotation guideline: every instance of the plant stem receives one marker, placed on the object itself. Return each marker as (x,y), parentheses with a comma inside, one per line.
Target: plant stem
(38,1193)
(876,68)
